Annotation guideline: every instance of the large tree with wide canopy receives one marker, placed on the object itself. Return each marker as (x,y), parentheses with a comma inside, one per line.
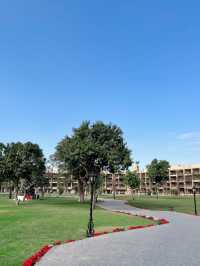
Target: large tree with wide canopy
(91,149)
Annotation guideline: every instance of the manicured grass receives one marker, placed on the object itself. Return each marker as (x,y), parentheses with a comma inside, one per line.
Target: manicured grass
(183,204)
(179,204)
(26,228)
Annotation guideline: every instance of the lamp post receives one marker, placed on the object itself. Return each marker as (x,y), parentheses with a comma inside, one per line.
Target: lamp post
(90,230)
(195,203)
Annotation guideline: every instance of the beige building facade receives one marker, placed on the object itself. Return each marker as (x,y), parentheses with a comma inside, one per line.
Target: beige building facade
(182,179)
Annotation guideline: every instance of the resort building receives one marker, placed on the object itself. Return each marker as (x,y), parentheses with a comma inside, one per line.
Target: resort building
(182,179)
(113,183)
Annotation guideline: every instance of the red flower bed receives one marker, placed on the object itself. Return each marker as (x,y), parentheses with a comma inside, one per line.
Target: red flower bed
(136,227)
(163,221)
(33,259)
(149,225)
(118,230)
(68,241)
(98,234)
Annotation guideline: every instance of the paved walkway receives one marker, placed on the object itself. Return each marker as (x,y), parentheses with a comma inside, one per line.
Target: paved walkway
(173,244)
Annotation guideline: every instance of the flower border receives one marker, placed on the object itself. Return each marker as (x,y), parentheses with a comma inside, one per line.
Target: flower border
(39,254)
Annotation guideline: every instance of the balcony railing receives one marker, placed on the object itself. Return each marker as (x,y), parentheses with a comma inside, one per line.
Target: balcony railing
(180,178)
(196,177)
(188,172)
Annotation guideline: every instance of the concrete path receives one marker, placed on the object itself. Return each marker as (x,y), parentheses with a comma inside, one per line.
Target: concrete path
(173,244)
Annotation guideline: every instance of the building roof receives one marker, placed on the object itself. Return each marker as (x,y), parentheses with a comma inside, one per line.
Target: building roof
(184,166)
(178,167)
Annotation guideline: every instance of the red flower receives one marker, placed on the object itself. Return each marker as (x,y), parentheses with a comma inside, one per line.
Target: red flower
(34,258)
(69,241)
(28,262)
(149,225)
(135,227)
(118,230)
(98,234)
(163,221)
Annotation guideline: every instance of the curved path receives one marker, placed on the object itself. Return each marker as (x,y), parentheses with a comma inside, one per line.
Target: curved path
(173,244)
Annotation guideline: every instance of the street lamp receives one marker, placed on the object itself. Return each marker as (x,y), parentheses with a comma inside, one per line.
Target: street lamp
(195,203)
(90,230)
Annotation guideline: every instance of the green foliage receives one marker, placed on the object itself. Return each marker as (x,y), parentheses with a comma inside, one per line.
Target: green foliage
(2,163)
(22,161)
(99,181)
(92,148)
(158,171)
(131,179)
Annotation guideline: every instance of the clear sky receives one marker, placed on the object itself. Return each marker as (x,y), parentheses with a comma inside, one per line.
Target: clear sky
(134,63)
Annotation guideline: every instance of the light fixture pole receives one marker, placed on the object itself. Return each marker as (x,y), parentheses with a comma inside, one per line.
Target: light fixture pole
(195,203)
(90,230)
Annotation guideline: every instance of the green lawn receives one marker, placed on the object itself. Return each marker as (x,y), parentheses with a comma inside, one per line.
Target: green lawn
(24,229)
(183,204)
(179,204)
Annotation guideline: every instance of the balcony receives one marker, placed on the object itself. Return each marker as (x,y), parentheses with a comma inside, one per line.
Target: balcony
(188,171)
(180,172)
(173,180)
(188,179)
(180,178)
(196,171)
(188,185)
(172,173)
(196,177)
(174,186)
(181,185)
(121,185)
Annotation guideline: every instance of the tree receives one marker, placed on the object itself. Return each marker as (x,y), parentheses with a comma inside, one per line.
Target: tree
(158,172)
(23,164)
(131,179)
(92,148)
(34,165)
(6,173)
(2,163)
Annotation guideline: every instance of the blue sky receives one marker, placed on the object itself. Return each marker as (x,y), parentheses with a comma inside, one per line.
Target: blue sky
(134,63)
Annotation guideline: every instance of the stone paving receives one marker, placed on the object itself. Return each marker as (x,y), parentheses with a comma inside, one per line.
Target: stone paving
(173,244)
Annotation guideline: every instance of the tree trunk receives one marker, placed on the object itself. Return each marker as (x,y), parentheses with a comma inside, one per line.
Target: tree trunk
(16,194)
(42,193)
(81,191)
(114,186)
(132,194)
(157,191)
(16,191)
(10,192)
(114,195)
